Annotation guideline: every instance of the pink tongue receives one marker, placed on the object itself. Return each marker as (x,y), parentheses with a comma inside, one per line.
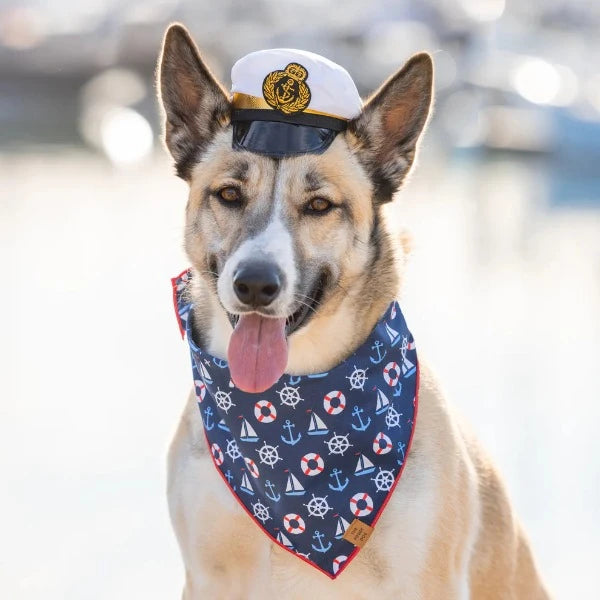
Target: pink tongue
(257,352)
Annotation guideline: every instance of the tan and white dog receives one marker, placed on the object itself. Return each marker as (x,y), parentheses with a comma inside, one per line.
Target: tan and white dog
(449,531)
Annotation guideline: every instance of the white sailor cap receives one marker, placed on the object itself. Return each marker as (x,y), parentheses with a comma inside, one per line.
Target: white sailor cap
(289,102)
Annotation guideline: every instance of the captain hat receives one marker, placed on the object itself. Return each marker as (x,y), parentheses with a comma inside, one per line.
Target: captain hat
(289,102)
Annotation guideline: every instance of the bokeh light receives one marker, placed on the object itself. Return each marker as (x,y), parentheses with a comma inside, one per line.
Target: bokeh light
(126,136)
(483,10)
(537,80)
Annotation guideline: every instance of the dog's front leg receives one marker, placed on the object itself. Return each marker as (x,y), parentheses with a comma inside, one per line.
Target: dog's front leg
(226,557)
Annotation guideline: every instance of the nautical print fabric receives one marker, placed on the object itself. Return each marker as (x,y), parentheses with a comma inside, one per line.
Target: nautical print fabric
(314,452)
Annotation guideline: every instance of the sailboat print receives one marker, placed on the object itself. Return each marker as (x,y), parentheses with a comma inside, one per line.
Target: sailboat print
(293,486)
(317,427)
(246,486)
(284,541)
(248,434)
(204,373)
(222,425)
(342,525)
(382,402)
(393,335)
(363,465)
(408,368)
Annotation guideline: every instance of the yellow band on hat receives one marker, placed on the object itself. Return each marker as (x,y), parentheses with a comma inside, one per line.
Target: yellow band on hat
(246,101)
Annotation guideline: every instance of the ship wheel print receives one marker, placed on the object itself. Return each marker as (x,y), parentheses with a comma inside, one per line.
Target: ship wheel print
(338,444)
(392,417)
(384,480)
(223,400)
(232,450)
(357,378)
(318,506)
(261,511)
(289,396)
(268,455)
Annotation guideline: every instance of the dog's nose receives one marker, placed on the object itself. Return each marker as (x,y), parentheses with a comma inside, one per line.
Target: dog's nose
(257,284)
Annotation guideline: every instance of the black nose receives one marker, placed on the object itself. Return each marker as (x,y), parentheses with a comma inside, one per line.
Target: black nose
(257,284)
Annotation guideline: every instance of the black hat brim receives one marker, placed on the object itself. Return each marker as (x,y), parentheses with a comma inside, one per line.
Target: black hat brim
(278,139)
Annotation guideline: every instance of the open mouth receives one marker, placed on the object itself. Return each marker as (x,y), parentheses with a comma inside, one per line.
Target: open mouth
(308,307)
(306,310)
(258,347)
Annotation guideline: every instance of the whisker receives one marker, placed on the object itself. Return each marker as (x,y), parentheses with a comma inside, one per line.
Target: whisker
(301,297)
(309,306)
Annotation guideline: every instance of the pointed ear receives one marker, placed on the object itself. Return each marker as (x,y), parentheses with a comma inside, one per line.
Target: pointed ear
(195,104)
(386,133)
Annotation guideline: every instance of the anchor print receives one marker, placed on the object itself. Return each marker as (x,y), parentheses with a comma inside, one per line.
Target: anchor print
(377,347)
(229,478)
(271,494)
(319,537)
(220,362)
(398,389)
(356,412)
(339,486)
(207,422)
(290,440)
(401,448)
(294,379)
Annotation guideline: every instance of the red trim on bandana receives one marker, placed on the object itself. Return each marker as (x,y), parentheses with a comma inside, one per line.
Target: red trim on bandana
(387,499)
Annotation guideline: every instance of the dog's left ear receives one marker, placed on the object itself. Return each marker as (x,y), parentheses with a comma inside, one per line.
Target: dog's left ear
(386,133)
(196,105)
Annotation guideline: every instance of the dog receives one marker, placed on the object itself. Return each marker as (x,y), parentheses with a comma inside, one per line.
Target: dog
(449,531)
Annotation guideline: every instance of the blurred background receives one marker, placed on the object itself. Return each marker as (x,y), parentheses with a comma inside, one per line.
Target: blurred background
(502,292)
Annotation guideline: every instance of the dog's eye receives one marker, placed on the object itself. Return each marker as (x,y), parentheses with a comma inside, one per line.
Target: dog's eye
(229,194)
(318,205)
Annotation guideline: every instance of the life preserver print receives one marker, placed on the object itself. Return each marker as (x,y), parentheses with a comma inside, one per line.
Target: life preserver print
(334,402)
(391,373)
(312,464)
(338,561)
(361,504)
(294,523)
(265,411)
(252,467)
(200,388)
(382,444)
(217,454)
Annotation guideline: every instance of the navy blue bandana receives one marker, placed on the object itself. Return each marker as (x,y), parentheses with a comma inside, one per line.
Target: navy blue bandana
(314,459)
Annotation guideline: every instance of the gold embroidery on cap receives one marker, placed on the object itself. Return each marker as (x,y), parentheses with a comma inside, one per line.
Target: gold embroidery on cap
(286,90)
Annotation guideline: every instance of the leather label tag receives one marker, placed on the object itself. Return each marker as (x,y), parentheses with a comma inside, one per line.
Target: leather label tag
(358,533)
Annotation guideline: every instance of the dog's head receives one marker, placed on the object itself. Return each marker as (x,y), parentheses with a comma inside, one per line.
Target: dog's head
(280,241)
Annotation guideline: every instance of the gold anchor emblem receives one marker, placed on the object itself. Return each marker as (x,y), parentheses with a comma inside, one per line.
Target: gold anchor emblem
(286,90)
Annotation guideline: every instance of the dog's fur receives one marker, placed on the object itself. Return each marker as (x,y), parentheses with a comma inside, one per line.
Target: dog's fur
(449,531)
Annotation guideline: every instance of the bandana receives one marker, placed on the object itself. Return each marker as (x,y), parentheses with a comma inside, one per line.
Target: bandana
(314,459)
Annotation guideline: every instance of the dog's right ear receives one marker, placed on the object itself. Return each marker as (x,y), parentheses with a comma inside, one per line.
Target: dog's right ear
(196,105)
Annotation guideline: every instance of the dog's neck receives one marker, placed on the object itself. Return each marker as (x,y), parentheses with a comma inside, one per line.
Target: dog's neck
(341,324)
